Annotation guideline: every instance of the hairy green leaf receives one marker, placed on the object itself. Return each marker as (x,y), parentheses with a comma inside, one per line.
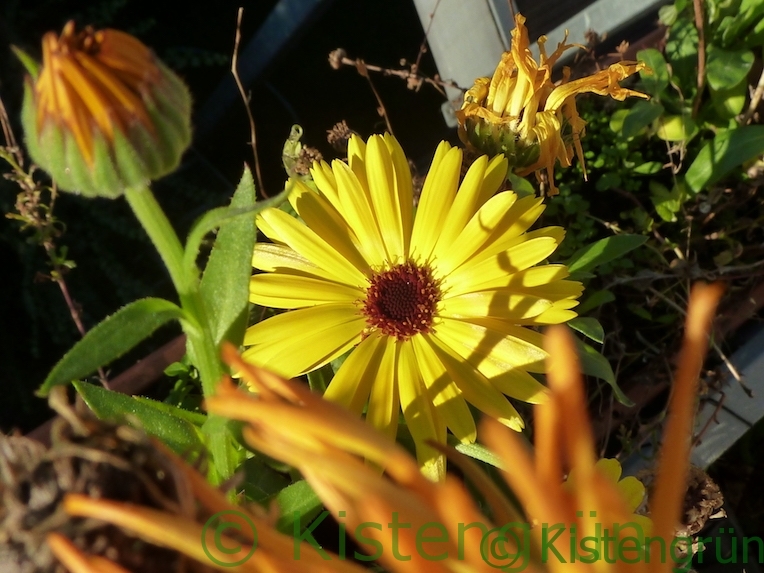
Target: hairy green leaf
(225,283)
(110,339)
(175,427)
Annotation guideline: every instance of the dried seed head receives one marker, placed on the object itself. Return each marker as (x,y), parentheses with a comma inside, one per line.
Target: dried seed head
(93,458)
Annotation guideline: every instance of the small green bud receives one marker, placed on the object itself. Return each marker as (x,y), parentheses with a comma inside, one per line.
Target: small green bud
(104,113)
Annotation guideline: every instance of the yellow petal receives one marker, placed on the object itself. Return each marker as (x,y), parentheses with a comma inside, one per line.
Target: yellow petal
(323,177)
(327,223)
(384,405)
(604,82)
(357,159)
(383,189)
(352,383)
(357,211)
(437,196)
(312,247)
(404,188)
(465,203)
(445,395)
(475,387)
(493,229)
(490,351)
(301,340)
(501,303)
(474,276)
(277,290)
(418,411)
(557,314)
(280,258)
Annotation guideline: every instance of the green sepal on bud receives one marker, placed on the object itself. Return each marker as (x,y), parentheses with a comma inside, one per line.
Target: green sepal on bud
(498,139)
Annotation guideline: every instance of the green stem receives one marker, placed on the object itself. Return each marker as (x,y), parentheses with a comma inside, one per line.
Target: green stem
(201,347)
(161,233)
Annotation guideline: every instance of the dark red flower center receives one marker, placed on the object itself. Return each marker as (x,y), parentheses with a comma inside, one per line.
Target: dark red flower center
(401,300)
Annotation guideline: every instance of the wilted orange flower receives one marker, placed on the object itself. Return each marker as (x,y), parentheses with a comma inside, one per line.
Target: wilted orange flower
(104,113)
(520,112)
(592,501)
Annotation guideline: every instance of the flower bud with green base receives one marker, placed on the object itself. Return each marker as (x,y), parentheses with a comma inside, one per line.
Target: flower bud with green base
(521,113)
(103,113)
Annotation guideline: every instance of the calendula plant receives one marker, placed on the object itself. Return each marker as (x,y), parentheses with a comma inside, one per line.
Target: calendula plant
(439,305)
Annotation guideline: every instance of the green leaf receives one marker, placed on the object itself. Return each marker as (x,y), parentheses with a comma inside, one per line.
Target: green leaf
(195,418)
(617,119)
(216,217)
(649,168)
(640,116)
(110,339)
(604,250)
(750,13)
(682,52)
(728,103)
(608,180)
(676,128)
(727,68)
(589,327)
(667,16)
(725,152)
(667,203)
(175,427)
(656,82)
(755,38)
(261,481)
(520,185)
(595,300)
(297,501)
(225,284)
(594,364)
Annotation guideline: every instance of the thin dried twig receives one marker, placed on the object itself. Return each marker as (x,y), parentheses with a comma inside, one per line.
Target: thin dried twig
(755,99)
(34,213)
(413,78)
(245,98)
(731,367)
(423,45)
(698,5)
(363,71)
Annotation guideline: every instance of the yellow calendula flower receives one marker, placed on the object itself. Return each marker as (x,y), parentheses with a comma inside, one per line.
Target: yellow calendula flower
(520,112)
(103,113)
(436,306)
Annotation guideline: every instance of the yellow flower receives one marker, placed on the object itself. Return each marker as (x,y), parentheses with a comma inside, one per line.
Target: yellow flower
(521,113)
(103,113)
(436,307)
